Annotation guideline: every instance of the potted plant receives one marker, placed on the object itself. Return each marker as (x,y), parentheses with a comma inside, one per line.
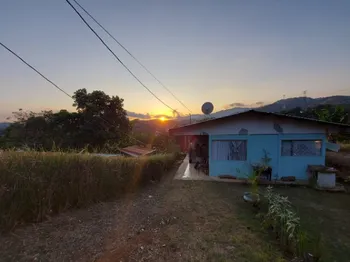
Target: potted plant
(253,196)
(257,170)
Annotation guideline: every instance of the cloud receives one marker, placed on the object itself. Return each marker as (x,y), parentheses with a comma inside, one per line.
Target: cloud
(138,115)
(234,105)
(237,104)
(146,116)
(159,116)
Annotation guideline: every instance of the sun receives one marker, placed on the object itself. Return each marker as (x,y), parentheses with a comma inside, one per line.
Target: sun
(162,119)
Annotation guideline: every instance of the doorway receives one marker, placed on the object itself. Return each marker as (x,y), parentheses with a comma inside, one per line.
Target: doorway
(199,153)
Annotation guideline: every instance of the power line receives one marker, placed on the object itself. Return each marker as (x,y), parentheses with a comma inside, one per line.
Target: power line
(52,83)
(38,72)
(116,57)
(126,50)
(32,67)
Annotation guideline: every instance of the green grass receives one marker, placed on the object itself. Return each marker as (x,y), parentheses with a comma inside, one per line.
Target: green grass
(326,215)
(323,215)
(34,185)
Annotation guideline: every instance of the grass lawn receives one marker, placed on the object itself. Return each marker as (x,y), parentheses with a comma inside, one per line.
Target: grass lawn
(211,225)
(327,214)
(322,214)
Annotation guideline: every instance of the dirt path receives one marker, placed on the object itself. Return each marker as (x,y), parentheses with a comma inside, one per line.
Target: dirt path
(170,221)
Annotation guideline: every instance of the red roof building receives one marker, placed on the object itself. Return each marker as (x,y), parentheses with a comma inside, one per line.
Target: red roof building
(137,151)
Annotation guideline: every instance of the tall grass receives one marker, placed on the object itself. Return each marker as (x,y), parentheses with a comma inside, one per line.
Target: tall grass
(34,185)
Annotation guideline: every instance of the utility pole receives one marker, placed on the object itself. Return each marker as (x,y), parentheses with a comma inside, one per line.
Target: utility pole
(304,93)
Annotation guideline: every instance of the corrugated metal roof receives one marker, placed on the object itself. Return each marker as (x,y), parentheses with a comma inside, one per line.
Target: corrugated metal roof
(136,150)
(262,113)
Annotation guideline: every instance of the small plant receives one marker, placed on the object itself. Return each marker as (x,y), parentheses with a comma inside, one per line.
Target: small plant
(301,243)
(254,180)
(317,249)
(283,220)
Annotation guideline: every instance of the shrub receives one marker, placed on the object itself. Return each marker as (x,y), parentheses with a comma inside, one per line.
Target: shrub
(34,185)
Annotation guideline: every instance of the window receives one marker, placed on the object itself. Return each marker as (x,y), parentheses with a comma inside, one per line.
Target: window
(229,150)
(301,147)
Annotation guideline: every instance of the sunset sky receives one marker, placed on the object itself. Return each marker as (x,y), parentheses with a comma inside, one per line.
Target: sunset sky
(220,51)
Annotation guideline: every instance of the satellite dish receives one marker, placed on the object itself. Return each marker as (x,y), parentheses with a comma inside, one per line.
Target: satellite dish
(207,108)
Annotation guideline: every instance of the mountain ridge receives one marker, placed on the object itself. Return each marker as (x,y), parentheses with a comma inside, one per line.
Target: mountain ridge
(154,125)
(304,102)
(280,105)
(276,107)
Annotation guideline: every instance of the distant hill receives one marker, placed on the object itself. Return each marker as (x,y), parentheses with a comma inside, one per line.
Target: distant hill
(152,126)
(218,114)
(3,126)
(278,106)
(305,102)
(283,105)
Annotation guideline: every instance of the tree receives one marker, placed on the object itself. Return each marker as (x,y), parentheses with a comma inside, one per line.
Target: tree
(104,117)
(329,113)
(336,114)
(99,120)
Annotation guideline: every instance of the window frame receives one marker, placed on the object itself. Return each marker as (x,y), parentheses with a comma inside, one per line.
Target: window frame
(306,139)
(229,140)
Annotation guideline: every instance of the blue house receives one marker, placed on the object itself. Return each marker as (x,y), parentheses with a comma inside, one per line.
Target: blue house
(287,144)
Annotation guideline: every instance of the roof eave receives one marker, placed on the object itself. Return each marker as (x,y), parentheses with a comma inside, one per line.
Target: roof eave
(310,120)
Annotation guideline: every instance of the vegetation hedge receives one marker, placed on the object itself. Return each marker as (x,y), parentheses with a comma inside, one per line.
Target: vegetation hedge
(35,185)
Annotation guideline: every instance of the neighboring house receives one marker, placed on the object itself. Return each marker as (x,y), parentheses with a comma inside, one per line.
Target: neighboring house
(136,151)
(106,155)
(239,141)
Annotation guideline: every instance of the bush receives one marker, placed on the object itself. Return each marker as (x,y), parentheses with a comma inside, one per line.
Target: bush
(34,185)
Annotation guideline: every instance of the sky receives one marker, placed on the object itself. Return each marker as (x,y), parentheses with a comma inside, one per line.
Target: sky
(227,52)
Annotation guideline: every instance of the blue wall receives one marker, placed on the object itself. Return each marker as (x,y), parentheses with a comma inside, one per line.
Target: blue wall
(256,144)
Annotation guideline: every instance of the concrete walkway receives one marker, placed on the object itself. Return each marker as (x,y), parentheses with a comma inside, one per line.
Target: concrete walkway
(187,172)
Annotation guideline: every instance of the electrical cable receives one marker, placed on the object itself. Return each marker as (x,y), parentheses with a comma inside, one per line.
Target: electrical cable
(126,50)
(55,85)
(116,57)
